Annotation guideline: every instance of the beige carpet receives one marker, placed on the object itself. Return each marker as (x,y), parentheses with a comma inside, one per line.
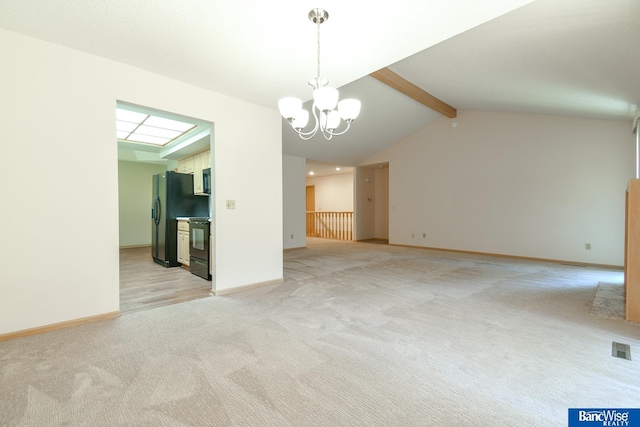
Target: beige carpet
(357,335)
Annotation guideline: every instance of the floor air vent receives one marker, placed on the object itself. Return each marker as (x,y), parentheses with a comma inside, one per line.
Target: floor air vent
(623,351)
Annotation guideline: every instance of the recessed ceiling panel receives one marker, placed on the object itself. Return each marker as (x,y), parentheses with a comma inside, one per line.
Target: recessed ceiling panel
(133,126)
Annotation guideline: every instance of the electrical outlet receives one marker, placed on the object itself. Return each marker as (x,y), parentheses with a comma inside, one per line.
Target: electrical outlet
(231,204)
(413,235)
(424,235)
(292,236)
(587,246)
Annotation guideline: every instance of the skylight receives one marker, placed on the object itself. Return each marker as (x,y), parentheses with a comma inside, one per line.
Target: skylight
(143,128)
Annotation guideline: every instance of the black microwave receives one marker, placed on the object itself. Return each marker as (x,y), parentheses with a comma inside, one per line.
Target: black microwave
(206,180)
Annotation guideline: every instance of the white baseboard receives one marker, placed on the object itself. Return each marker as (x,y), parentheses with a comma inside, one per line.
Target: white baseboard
(57,326)
(235,289)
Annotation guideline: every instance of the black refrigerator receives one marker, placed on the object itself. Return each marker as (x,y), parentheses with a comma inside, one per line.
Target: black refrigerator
(172,198)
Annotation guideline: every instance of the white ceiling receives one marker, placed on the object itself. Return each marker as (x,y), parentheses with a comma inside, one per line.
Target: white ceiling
(566,57)
(324,169)
(573,57)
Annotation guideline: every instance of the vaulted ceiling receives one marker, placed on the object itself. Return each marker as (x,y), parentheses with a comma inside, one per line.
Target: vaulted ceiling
(568,57)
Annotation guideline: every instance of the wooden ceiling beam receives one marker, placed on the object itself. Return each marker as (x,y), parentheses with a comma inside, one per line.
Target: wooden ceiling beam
(393,80)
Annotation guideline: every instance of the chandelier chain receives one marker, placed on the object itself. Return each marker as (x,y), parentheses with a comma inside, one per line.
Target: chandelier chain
(318,56)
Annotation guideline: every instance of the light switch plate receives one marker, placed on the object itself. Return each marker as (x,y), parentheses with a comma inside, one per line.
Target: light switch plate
(231,204)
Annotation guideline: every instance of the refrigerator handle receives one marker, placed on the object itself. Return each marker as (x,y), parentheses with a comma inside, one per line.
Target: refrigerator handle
(156,210)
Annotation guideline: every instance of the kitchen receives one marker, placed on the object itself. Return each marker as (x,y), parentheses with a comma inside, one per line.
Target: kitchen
(165,208)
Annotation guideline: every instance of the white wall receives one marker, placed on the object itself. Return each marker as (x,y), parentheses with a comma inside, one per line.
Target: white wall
(66,267)
(134,202)
(515,184)
(334,193)
(294,201)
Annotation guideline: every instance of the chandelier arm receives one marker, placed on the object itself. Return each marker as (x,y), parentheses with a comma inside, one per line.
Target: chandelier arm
(305,138)
(308,135)
(343,132)
(327,135)
(311,132)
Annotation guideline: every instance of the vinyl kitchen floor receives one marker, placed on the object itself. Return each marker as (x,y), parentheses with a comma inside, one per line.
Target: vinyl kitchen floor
(145,284)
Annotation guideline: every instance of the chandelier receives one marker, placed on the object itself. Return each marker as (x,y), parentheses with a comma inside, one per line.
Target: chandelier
(327,111)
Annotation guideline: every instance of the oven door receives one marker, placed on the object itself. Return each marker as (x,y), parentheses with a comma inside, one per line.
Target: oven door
(199,239)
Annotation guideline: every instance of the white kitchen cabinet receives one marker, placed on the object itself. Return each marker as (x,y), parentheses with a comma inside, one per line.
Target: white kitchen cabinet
(183,242)
(195,165)
(185,165)
(200,162)
(205,160)
(188,165)
(198,187)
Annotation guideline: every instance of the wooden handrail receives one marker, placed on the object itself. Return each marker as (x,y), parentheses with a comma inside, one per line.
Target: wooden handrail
(330,225)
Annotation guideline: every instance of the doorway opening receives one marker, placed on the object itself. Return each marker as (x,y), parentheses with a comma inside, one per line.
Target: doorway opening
(329,201)
(144,284)
(372,203)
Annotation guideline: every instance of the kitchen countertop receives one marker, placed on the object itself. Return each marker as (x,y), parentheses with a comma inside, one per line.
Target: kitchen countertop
(186,218)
